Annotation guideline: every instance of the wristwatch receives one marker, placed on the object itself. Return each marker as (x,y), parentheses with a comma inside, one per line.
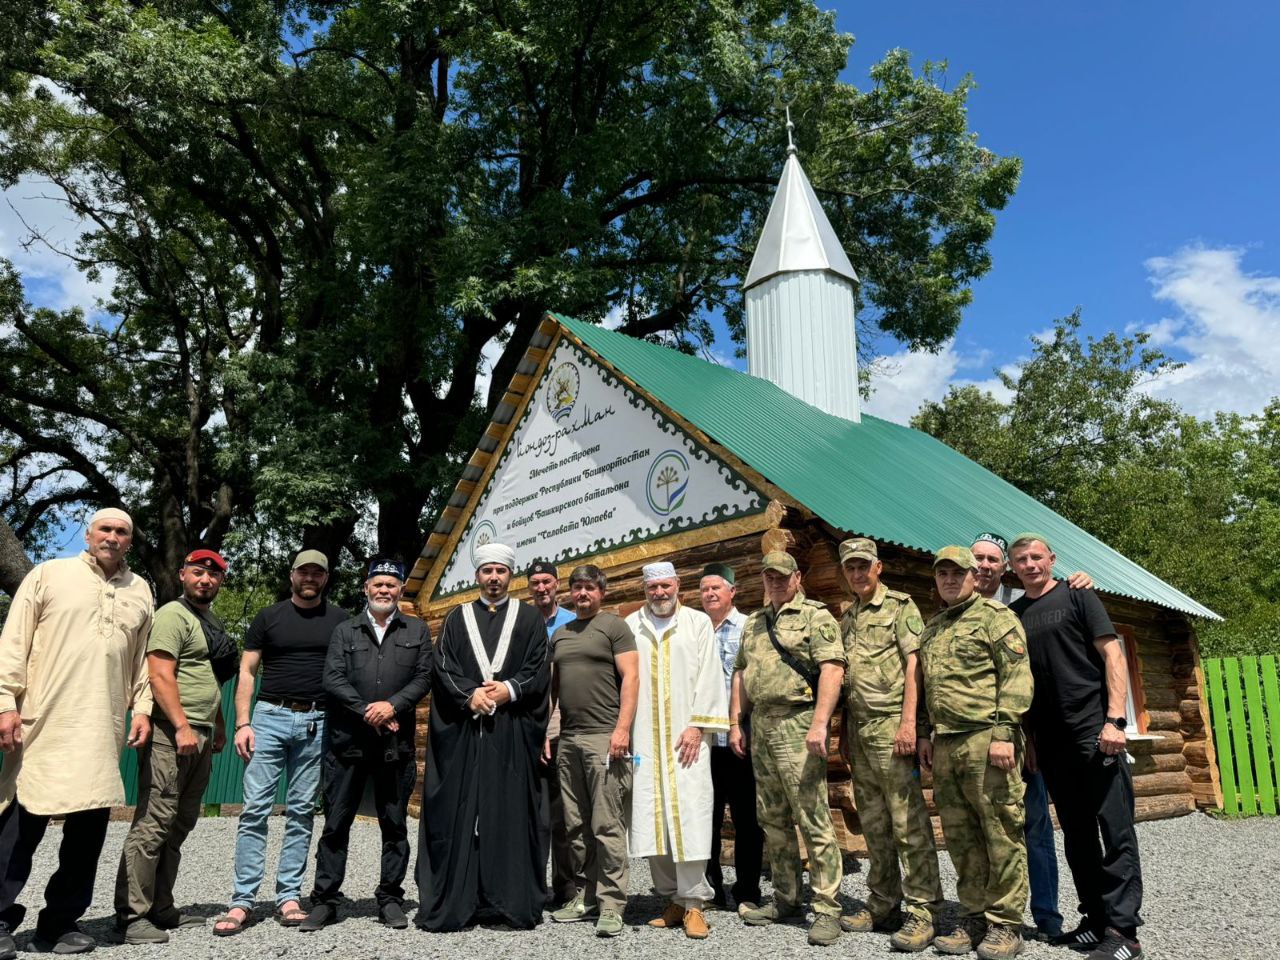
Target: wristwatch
(1117,722)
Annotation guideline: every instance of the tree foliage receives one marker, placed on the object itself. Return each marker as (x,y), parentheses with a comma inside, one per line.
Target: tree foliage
(1196,502)
(324,222)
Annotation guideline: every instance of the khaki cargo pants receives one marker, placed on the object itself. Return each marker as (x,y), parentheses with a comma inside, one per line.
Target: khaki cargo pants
(170,790)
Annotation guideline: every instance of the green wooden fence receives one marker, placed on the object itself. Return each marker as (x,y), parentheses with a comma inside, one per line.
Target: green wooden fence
(226,783)
(1244,704)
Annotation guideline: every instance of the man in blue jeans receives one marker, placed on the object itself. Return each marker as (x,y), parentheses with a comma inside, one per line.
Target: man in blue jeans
(290,641)
(991,553)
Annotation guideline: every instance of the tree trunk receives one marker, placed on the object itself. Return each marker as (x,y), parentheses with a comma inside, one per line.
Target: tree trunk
(14,562)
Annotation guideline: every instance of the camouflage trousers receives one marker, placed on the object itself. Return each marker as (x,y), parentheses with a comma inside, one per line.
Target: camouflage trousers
(791,792)
(895,823)
(982,819)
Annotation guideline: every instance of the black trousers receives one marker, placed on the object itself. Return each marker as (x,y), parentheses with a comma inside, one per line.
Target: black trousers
(1093,794)
(344,783)
(70,889)
(734,783)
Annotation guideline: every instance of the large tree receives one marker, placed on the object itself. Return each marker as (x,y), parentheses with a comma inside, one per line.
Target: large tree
(324,222)
(1196,502)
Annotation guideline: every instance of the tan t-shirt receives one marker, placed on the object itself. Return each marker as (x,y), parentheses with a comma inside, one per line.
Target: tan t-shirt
(587,678)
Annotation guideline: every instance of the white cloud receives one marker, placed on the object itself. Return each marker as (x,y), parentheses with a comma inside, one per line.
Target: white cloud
(902,381)
(1227,328)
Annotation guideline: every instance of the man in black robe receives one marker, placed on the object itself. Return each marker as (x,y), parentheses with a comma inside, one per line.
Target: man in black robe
(479,855)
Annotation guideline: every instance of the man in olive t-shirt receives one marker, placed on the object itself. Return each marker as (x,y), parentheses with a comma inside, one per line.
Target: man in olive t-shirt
(174,768)
(596,681)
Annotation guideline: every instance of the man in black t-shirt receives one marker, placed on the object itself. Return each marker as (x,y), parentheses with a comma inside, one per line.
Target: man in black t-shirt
(1077,719)
(290,641)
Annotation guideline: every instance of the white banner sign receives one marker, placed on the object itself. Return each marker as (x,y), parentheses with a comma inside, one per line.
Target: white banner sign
(593,467)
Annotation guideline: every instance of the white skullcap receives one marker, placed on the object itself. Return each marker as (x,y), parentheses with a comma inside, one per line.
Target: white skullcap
(495,553)
(111,513)
(659,571)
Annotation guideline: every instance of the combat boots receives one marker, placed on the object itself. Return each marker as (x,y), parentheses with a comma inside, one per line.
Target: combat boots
(914,935)
(863,920)
(964,936)
(1002,942)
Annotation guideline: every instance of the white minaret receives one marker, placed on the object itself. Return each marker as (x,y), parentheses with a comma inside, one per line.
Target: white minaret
(799,292)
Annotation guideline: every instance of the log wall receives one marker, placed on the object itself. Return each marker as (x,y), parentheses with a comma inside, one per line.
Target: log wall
(1172,774)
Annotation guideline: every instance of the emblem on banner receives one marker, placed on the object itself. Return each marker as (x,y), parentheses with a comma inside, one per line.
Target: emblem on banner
(668,482)
(562,390)
(486,532)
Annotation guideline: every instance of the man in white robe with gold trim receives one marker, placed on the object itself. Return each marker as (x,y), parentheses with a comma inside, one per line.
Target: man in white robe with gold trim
(682,705)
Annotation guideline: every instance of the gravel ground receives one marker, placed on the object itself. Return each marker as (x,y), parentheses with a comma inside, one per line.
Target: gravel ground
(1211,892)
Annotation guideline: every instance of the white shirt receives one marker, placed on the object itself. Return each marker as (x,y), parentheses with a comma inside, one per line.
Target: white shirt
(378,631)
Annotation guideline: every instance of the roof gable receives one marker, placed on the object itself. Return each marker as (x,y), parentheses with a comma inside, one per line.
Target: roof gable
(590,466)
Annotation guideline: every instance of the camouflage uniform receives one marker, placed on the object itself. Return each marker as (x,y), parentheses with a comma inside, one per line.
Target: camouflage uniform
(977,682)
(878,637)
(791,783)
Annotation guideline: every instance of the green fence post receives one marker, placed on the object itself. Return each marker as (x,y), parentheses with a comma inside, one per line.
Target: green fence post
(1258,734)
(1271,698)
(1217,695)
(1240,737)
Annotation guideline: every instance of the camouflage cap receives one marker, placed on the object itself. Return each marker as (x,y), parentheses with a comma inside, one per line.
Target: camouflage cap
(859,548)
(961,556)
(779,560)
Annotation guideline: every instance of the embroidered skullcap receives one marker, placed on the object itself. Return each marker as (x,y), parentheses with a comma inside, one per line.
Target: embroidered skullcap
(993,538)
(662,570)
(385,567)
(112,513)
(495,553)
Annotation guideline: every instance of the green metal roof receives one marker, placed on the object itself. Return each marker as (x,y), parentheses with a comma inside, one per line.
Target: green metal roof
(874,478)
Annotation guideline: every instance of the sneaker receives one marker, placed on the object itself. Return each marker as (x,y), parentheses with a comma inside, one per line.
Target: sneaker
(695,924)
(8,949)
(825,930)
(609,924)
(1083,938)
(745,907)
(73,941)
(574,910)
(1116,946)
(1002,942)
(174,919)
(964,936)
(777,911)
(143,930)
(914,935)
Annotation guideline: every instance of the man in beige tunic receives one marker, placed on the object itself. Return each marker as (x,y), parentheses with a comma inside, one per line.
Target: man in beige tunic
(72,664)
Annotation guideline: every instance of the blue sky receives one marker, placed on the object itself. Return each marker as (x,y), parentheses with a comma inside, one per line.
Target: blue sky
(1149,195)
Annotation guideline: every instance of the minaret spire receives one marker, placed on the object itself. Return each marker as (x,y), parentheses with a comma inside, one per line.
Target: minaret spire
(799,298)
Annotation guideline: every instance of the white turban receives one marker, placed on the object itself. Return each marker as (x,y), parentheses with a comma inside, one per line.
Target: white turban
(495,553)
(659,571)
(111,513)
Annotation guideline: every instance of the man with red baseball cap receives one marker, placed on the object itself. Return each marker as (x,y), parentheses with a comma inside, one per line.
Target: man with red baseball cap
(189,656)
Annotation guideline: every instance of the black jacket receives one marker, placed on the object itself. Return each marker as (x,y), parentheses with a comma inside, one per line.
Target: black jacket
(358,672)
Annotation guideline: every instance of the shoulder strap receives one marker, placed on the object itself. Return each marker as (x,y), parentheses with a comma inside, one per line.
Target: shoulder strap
(791,661)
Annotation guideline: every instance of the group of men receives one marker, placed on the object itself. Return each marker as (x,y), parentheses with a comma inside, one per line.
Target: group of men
(573,735)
